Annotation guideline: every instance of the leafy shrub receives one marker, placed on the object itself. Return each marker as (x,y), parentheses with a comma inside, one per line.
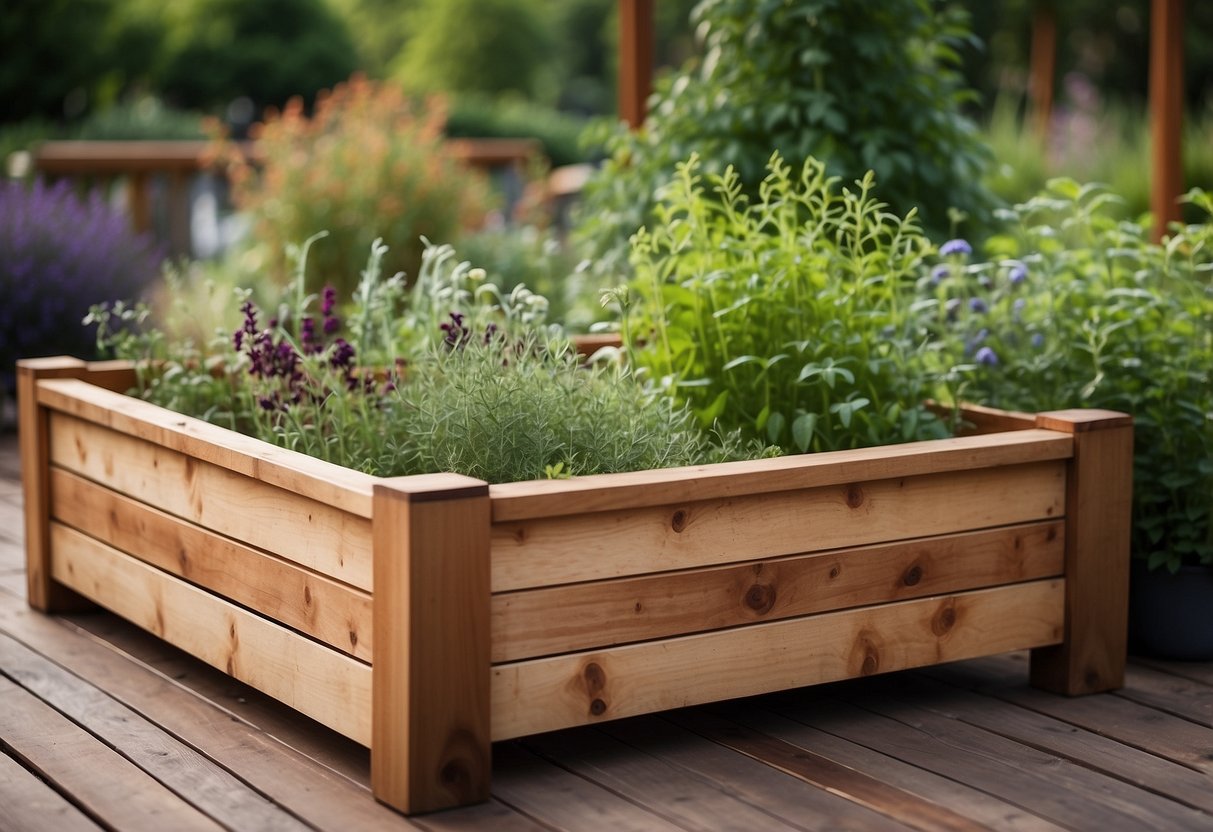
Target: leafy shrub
(859,86)
(213,51)
(145,117)
(495,117)
(788,317)
(370,163)
(1077,309)
(470,380)
(59,255)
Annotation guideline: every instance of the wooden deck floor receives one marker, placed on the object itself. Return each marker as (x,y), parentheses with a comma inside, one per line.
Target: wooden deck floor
(104,726)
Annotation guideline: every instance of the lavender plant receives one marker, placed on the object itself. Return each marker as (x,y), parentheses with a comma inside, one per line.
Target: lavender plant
(59,255)
(1077,309)
(788,317)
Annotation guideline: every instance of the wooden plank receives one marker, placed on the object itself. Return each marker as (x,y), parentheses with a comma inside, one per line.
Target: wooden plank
(773,791)
(178,767)
(430,743)
(275,759)
(804,764)
(1098,753)
(1099,497)
(33,422)
(611,492)
(1074,790)
(983,808)
(541,622)
(328,686)
(635,60)
(333,485)
(544,694)
(315,535)
(1166,112)
(33,806)
(1127,722)
(559,799)
(101,782)
(653,783)
(684,535)
(1174,695)
(329,611)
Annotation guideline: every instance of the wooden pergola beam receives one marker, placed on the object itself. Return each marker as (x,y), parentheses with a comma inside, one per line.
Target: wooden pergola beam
(1166,111)
(635,59)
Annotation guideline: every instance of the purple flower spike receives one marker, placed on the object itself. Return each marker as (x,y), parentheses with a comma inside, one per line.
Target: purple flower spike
(1038,340)
(1018,272)
(978,305)
(987,357)
(938,274)
(955,247)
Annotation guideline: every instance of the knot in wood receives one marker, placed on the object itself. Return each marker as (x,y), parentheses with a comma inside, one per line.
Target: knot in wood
(760,598)
(944,620)
(595,678)
(598,707)
(454,775)
(912,576)
(854,496)
(835,571)
(871,661)
(679,521)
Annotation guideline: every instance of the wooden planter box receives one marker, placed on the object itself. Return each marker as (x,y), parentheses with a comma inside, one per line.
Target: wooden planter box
(427,616)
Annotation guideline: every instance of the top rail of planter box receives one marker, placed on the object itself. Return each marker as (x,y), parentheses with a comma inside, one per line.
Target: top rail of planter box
(608,492)
(334,485)
(352,490)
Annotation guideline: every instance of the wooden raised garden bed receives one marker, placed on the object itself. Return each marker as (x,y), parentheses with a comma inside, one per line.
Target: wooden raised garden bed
(427,616)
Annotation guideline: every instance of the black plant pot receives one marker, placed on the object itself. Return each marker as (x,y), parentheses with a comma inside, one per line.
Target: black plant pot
(1171,616)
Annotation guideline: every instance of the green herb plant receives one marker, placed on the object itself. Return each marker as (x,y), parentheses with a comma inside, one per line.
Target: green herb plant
(788,317)
(1078,309)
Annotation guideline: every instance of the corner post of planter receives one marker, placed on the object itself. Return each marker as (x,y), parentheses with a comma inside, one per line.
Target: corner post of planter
(33,426)
(430,740)
(1099,491)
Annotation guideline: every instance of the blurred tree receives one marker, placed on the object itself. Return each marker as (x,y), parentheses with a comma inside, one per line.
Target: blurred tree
(380,31)
(485,46)
(52,57)
(269,50)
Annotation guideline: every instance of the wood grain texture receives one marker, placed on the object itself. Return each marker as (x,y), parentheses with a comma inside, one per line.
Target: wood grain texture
(328,686)
(544,694)
(33,806)
(1099,497)
(313,534)
(563,619)
(102,783)
(430,747)
(324,482)
(683,535)
(332,612)
(34,441)
(180,768)
(613,492)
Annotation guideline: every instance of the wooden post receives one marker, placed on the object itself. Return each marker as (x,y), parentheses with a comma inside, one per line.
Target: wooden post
(1099,490)
(139,198)
(1043,65)
(42,592)
(430,746)
(1166,111)
(635,59)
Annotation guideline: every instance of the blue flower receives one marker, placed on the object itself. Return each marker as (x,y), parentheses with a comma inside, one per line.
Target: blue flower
(955,247)
(938,274)
(978,305)
(1018,272)
(987,356)
(1038,340)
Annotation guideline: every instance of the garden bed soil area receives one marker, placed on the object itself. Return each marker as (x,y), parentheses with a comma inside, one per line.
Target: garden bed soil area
(426,617)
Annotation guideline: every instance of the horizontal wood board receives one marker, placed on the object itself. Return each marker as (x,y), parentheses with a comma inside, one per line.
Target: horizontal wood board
(689,534)
(311,533)
(327,610)
(613,492)
(324,482)
(328,686)
(562,619)
(583,688)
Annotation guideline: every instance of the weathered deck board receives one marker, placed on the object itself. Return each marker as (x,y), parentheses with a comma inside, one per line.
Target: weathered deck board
(967,745)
